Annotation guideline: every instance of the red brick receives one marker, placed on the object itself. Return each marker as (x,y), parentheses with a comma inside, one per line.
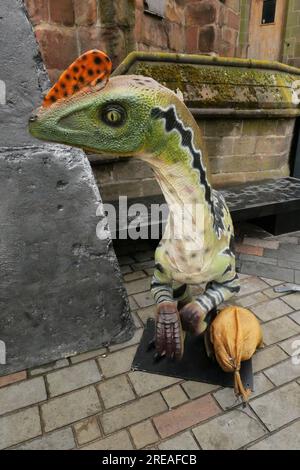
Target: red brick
(54,75)
(191,43)
(62,12)
(177,37)
(249,250)
(233,4)
(113,41)
(185,416)
(233,20)
(37,10)
(139,16)
(201,13)
(154,32)
(85,12)
(90,38)
(12,378)
(175,12)
(139,4)
(207,38)
(58,46)
(228,34)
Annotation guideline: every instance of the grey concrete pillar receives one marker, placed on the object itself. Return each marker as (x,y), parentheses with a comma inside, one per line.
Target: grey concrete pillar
(61,289)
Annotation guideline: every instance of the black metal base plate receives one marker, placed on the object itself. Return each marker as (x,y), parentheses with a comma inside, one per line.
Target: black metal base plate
(194,365)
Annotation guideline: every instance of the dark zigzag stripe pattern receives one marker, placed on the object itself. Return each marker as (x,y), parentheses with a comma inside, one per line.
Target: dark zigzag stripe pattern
(173,123)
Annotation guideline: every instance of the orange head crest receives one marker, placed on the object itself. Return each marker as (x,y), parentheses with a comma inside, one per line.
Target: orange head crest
(90,68)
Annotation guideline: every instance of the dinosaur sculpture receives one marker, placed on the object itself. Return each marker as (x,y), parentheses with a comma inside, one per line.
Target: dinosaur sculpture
(135,116)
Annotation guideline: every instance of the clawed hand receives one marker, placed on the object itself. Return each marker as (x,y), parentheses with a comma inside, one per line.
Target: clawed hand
(193,318)
(169,335)
(170,327)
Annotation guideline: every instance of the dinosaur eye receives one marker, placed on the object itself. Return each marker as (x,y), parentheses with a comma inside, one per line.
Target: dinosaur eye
(113,115)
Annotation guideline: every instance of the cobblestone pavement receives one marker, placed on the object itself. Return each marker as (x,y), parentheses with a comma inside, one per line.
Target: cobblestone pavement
(260,253)
(94,401)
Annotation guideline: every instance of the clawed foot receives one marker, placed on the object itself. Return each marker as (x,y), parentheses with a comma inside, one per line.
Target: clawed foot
(193,318)
(169,335)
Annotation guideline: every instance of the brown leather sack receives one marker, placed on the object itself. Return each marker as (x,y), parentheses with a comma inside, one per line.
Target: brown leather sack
(235,334)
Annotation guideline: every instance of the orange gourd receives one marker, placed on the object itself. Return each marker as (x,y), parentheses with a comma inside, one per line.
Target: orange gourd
(235,334)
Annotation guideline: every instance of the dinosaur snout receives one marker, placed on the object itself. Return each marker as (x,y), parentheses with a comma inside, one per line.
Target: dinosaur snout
(33,117)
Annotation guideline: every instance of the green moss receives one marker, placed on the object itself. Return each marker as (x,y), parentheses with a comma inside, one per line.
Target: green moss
(220,86)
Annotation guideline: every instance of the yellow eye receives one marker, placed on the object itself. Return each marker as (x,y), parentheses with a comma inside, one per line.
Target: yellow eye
(113,115)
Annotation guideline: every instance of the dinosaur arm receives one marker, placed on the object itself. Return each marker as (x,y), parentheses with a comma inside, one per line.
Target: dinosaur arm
(218,291)
(194,315)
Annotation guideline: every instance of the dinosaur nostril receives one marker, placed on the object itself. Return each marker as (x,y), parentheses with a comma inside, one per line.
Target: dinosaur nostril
(33,117)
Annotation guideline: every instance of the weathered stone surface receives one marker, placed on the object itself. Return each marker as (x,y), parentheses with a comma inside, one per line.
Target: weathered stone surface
(174,396)
(143,434)
(74,377)
(69,408)
(184,441)
(87,355)
(57,440)
(287,438)
(145,383)
(20,426)
(271,309)
(22,72)
(279,329)
(266,357)
(230,431)
(279,407)
(87,430)
(61,288)
(119,440)
(293,300)
(117,363)
(50,246)
(197,389)
(134,340)
(115,391)
(291,345)
(284,372)
(133,413)
(226,396)
(22,394)
(49,367)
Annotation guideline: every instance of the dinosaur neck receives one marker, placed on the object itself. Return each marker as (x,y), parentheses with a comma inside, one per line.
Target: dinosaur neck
(175,156)
(179,183)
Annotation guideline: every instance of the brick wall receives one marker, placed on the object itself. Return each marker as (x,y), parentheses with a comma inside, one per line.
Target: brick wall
(161,34)
(66,28)
(291,45)
(238,150)
(242,48)
(247,149)
(212,26)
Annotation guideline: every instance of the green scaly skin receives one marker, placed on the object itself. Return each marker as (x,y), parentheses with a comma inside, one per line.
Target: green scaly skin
(155,126)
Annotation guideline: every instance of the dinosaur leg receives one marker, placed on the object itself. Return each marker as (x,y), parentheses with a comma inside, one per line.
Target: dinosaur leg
(169,336)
